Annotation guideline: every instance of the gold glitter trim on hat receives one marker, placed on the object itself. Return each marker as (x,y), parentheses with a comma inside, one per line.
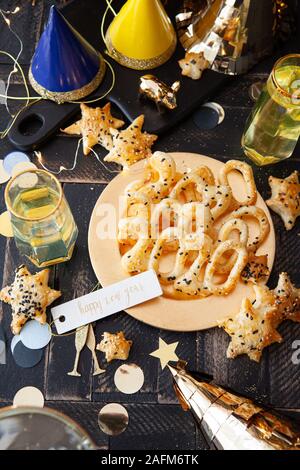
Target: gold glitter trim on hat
(139,64)
(74,95)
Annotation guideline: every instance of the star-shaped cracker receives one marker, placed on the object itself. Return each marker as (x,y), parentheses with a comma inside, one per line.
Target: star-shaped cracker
(287,300)
(165,353)
(131,144)
(29,296)
(256,270)
(115,346)
(94,126)
(193,65)
(285,199)
(252,329)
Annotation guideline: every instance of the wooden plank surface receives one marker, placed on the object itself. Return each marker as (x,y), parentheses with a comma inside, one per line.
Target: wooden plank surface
(156,420)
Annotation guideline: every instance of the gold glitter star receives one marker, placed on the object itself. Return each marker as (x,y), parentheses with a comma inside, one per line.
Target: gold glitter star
(165,353)
(29,296)
(94,126)
(130,145)
(285,199)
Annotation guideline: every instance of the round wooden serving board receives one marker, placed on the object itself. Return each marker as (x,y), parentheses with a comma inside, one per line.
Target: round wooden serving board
(162,312)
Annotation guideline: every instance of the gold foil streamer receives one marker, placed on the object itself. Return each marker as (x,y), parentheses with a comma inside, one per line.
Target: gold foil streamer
(74,95)
(230,421)
(226,33)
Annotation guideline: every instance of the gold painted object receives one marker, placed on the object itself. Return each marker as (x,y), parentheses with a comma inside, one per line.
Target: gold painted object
(91,344)
(232,35)
(141,36)
(159,92)
(113,419)
(80,340)
(230,421)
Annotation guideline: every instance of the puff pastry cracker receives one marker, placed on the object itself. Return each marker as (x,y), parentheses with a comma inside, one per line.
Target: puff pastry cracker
(160,174)
(115,346)
(94,126)
(172,224)
(131,144)
(256,270)
(287,300)
(29,296)
(285,198)
(247,173)
(193,65)
(253,329)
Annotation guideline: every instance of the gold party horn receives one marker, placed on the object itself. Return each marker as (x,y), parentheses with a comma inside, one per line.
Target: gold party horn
(80,340)
(91,344)
(230,421)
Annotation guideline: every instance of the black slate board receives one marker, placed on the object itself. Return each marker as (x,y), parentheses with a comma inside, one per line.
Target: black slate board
(86,18)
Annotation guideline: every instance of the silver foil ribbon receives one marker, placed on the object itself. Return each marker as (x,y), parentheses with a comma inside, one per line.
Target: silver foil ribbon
(230,421)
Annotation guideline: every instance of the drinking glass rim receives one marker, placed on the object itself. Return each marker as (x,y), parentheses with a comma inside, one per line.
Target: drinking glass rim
(11,411)
(35,219)
(273,73)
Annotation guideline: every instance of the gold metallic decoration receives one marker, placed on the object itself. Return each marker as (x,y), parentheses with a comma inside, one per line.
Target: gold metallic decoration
(91,344)
(129,378)
(80,340)
(230,421)
(225,32)
(165,353)
(152,39)
(139,64)
(74,95)
(159,92)
(113,419)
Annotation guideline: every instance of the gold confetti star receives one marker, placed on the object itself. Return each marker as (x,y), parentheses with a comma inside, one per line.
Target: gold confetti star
(165,353)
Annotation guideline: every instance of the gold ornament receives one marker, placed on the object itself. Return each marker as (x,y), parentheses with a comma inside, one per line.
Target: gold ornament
(165,353)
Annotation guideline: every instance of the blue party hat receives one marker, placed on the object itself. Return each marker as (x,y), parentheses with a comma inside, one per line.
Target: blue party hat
(64,67)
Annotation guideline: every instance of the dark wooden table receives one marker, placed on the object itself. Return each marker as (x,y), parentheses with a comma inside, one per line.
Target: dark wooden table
(156,419)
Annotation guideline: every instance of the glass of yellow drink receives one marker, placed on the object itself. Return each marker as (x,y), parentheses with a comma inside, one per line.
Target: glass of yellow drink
(273,128)
(43,225)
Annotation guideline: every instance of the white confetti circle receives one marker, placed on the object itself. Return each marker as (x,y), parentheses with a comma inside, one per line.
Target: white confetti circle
(29,396)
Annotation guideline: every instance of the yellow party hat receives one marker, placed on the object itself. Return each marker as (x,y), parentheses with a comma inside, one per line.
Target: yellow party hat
(141,36)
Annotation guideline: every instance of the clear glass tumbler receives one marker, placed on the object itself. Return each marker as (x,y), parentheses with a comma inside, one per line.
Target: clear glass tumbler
(43,224)
(273,128)
(32,428)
